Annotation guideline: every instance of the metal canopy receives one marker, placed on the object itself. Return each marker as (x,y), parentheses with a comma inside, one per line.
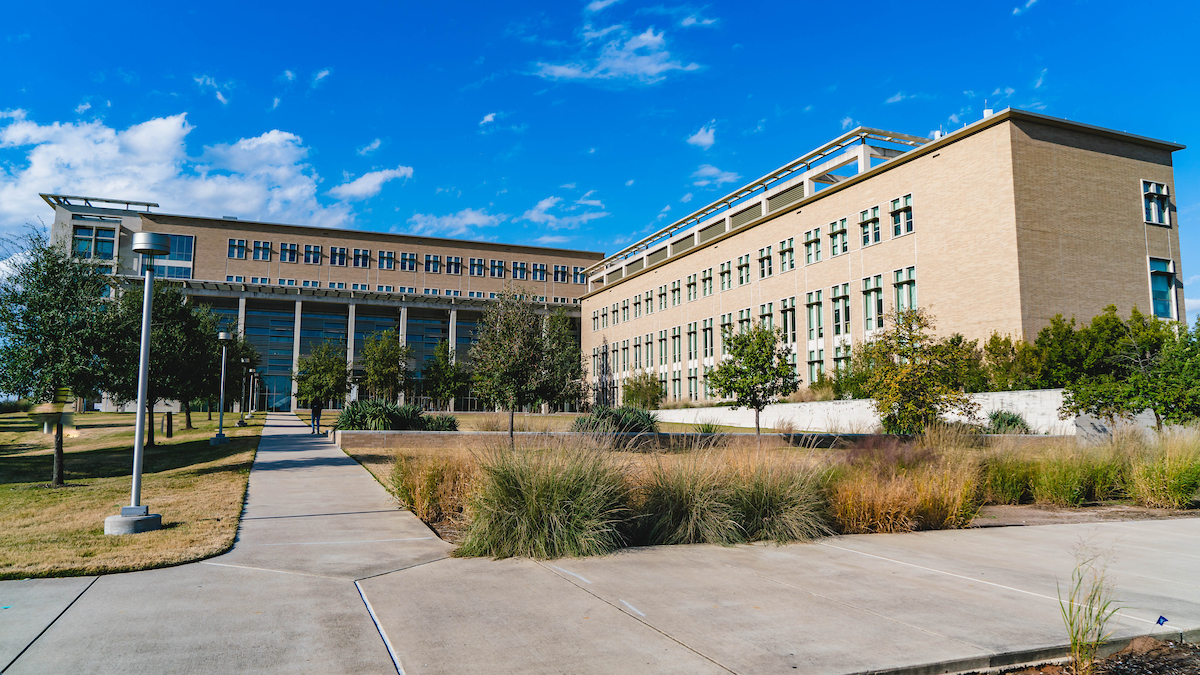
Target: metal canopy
(65,200)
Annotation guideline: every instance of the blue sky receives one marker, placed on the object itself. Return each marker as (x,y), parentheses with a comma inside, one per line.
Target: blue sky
(582,125)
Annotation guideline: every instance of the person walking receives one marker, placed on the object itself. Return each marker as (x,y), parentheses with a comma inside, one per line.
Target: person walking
(316,417)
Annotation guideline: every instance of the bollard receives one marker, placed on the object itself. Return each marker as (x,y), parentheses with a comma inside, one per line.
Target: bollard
(169,424)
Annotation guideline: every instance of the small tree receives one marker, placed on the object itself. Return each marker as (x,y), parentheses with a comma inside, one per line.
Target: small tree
(508,357)
(915,378)
(443,378)
(323,375)
(755,371)
(563,379)
(50,316)
(385,365)
(643,391)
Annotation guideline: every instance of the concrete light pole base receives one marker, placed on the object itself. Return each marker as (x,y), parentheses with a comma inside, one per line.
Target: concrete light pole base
(132,524)
(219,439)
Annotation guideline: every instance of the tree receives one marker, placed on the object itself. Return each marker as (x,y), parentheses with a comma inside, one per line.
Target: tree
(1010,363)
(507,359)
(914,378)
(323,375)
(385,365)
(755,371)
(50,312)
(563,379)
(643,391)
(443,378)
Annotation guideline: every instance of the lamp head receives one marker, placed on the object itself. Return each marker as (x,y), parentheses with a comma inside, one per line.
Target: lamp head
(224,336)
(150,243)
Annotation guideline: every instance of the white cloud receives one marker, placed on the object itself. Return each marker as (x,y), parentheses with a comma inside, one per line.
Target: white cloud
(1017,11)
(665,208)
(82,108)
(1006,92)
(642,58)
(370,147)
(551,239)
(222,99)
(584,201)
(597,5)
(1041,79)
(264,177)
(369,184)
(708,174)
(275,103)
(591,151)
(686,198)
(540,214)
(490,117)
(569,186)
(847,122)
(629,182)
(693,20)
(705,137)
(1191,306)
(289,75)
(1191,280)
(458,224)
(321,75)
(896,98)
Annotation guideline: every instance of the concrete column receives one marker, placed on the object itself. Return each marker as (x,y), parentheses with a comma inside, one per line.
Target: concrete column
(241,327)
(864,158)
(453,340)
(296,349)
(402,330)
(353,393)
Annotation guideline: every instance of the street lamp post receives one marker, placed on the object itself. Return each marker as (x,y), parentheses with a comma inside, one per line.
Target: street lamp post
(137,517)
(220,438)
(253,399)
(246,370)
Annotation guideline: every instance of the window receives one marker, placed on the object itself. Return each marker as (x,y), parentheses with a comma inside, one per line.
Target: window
(744,320)
(662,297)
(539,271)
(662,347)
(1158,208)
(384,289)
(615,316)
(727,275)
(287,282)
(841,358)
(816,329)
(310,284)
(693,343)
(604,317)
(841,309)
(787,255)
(838,242)
(260,280)
(454,265)
(433,264)
(95,242)
(692,383)
(726,329)
(497,270)
(872,288)
(868,222)
(787,318)
(743,269)
(637,352)
(338,284)
(561,275)
(312,254)
(676,293)
(478,267)
(262,250)
(816,364)
(706,282)
(676,345)
(902,220)
(624,310)
(337,255)
(431,291)
(706,332)
(905,281)
(1162,284)
(764,262)
(624,355)
(595,319)
(481,294)
(766,315)
(519,271)
(237,249)
(360,287)
(675,385)
(362,258)
(453,293)
(387,260)
(637,306)
(649,302)
(164,271)
(288,253)
(408,262)
(812,246)
(579,277)
(234,279)
(692,287)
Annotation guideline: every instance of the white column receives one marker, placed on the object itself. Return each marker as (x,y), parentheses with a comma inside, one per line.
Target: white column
(402,330)
(241,327)
(864,158)
(296,349)
(353,393)
(453,343)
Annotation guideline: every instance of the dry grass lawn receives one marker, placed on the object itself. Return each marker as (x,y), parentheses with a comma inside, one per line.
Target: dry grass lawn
(198,489)
(484,421)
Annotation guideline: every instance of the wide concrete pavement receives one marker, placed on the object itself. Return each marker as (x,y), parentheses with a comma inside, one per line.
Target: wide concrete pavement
(328,576)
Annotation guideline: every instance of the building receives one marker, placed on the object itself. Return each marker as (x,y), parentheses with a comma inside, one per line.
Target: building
(290,287)
(995,227)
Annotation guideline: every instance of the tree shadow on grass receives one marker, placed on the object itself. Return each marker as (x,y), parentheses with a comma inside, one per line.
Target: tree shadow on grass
(118,460)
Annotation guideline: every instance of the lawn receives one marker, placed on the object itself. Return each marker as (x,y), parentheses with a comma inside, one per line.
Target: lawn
(490,421)
(45,531)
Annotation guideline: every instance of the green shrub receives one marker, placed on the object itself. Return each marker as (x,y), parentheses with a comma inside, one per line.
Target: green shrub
(441,423)
(376,415)
(547,505)
(12,406)
(1061,480)
(706,427)
(627,420)
(780,503)
(1167,479)
(1006,422)
(688,502)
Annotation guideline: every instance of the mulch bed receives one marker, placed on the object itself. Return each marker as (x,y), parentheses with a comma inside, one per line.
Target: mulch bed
(1143,656)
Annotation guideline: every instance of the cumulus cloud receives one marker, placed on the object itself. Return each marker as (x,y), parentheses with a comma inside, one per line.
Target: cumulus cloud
(686,198)
(289,75)
(705,137)
(708,174)
(222,99)
(896,98)
(490,117)
(541,215)
(461,224)
(275,103)
(641,57)
(551,239)
(369,184)
(1191,306)
(82,108)
(370,147)
(1017,11)
(597,5)
(569,186)
(265,177)
(629,182)
(321,75)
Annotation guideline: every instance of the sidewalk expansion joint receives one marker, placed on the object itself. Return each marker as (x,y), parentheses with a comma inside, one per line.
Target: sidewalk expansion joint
(264,569)
(52,622)
(378,627)
(401,569)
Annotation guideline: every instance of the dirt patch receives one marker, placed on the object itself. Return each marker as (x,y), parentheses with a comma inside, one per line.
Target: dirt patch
(1037,514)
(1143,656)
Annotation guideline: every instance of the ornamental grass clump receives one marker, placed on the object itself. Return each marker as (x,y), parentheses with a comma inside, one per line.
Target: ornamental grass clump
(776,501)
(1007,478)
(689,501)
(1167,476)
(547,504)
(622,420)
(435,489)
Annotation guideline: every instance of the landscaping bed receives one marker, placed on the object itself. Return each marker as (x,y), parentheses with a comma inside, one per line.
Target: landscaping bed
(45,531)
(1143,656)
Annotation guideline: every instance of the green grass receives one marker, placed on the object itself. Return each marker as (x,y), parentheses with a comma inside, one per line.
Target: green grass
(688,502)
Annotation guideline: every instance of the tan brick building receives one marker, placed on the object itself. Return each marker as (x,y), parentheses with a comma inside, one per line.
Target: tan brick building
(995,227)
(289,287)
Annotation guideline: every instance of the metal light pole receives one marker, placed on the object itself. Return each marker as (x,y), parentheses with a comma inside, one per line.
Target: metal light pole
(220,438)
(137,517)
(242,403)
(253,380)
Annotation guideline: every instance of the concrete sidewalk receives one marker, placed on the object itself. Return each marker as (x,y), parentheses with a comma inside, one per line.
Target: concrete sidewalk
(328,575)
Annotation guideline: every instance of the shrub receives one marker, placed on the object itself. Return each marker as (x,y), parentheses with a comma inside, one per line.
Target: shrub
(1006,422)
(433,488)
(862,500)
(376,415)
(12,406)
(1168,478)
(773,501)
(546,504)
(626,420)
(946,494)
(688,502)
(441,423)
(706,427)
(643,391)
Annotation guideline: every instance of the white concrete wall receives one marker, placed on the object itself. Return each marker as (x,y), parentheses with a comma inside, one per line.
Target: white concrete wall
(1038,407)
